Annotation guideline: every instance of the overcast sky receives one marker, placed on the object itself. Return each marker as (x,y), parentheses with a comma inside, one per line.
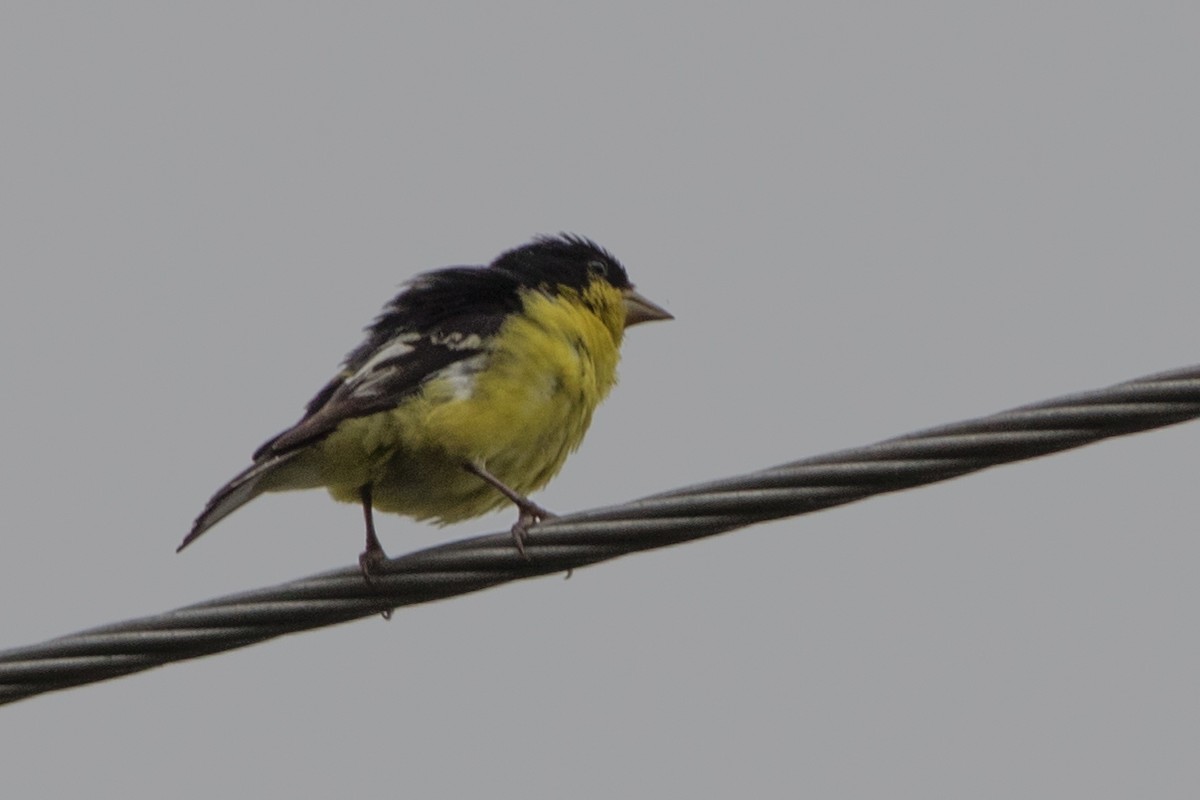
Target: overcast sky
(867,219)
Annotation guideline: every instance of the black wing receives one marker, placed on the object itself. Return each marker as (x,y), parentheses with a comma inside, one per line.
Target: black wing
(438,319)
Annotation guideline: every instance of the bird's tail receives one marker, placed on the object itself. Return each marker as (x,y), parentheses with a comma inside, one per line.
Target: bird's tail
(262,476)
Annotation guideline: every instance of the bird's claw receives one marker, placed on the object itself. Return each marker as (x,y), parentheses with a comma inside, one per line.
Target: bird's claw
(531,514)
(369,562)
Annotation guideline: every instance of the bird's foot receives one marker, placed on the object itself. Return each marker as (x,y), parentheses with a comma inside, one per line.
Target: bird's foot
(531,514)
(369,563)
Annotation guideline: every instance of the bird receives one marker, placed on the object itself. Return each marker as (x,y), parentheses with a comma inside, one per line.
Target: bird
(469,391)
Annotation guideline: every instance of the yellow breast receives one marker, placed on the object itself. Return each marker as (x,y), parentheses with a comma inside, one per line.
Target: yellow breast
(520,410)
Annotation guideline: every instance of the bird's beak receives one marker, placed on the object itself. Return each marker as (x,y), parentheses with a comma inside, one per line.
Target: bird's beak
(639,309)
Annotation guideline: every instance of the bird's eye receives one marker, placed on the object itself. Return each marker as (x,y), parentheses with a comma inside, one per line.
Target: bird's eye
(597,269)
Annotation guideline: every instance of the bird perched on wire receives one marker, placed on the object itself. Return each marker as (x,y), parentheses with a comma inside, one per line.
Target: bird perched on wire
(470,390)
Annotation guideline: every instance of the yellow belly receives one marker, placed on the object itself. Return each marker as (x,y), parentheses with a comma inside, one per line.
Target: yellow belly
(520,416)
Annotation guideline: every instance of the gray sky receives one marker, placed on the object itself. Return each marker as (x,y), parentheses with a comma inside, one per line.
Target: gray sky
(867,218)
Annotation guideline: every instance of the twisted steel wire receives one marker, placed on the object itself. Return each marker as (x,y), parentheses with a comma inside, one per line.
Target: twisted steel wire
(588,537)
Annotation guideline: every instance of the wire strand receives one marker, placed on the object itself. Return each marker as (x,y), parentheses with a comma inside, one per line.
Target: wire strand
(588,537)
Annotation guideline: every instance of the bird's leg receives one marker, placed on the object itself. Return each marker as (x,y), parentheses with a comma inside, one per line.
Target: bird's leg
(373,555)
(530,512)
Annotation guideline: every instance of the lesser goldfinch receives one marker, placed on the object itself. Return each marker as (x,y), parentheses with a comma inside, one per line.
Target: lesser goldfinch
(471,388)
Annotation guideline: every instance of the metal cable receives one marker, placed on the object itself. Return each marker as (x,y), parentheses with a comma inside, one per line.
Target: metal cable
(588,537)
